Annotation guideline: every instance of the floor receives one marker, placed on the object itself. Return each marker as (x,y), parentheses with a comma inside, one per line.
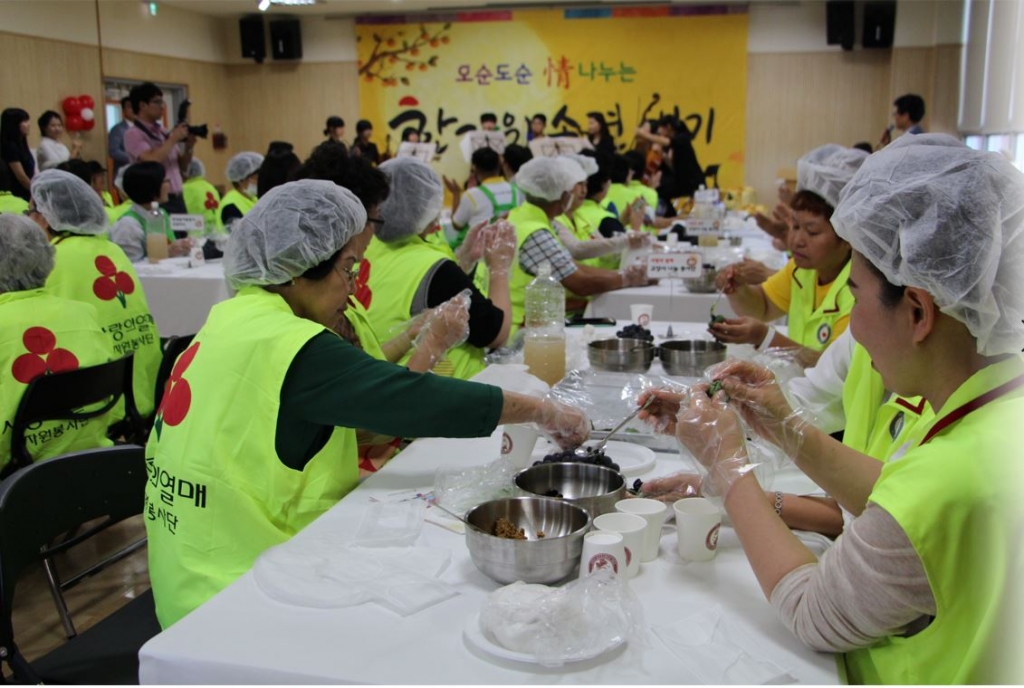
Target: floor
(37,627)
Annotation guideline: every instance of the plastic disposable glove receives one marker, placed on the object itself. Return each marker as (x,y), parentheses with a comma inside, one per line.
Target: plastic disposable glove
(634,275)
(471,249)
(499,249)
(741,330)
(179,247)
(672,488)
(565,425)
(446,327)
(712,431)
(662,412)
(639,240)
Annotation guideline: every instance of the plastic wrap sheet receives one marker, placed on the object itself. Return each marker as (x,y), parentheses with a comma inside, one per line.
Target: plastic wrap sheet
(461,489)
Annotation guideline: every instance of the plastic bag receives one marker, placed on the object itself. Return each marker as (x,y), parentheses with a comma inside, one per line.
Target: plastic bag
(555,625)
(461,489)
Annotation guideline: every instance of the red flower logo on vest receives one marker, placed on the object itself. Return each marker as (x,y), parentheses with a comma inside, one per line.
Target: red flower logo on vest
(43,357)
(362,291)
(211,202)
(112,283)
(177,397)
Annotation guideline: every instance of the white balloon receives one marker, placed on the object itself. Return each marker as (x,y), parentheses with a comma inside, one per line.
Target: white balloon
(87,114)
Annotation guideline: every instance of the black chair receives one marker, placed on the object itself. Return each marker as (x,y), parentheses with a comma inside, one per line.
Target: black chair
(174,347)
(60,397)
(37,505)
(712,171)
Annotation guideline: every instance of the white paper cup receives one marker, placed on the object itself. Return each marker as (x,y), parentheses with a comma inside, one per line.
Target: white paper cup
(697,524)
(517,443)
(641,313)
(631,528)
(602,550)
(653,512)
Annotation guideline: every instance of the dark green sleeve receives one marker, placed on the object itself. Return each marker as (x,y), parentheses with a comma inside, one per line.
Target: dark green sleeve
(332,383)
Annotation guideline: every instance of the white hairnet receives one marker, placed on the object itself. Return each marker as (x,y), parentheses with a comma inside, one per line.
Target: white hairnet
(119,180)
(415,201)
(294,227)
(576,173)
(586,163)
(67,203)
(243,166)
(26,257)
(196,168)
(545,178)
(931,213)
(827,169)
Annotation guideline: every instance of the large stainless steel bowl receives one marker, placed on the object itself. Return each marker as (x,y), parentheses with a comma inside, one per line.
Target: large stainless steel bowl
(536,560)
(689,358)
(594,488)
(705,284)
(621,355)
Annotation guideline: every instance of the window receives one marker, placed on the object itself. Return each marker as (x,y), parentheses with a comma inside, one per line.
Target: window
(1009,145)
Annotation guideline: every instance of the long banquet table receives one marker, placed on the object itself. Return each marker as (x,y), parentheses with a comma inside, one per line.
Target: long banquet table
(243,636)
(181,297)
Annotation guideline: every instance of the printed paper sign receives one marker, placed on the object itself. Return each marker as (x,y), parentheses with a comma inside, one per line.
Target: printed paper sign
(673,265)
(703,227)
(188,223)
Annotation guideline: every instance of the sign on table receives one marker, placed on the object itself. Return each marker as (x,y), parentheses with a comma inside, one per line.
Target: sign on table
(673,265)
(188,223)
(700,226)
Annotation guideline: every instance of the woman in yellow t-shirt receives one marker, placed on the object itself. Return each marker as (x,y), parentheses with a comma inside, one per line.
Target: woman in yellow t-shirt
(811,289)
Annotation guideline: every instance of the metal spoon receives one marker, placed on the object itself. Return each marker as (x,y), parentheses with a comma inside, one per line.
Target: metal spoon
(453,515)
(583,452)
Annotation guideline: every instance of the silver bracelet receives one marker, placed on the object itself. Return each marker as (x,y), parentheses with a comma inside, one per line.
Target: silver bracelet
(778,503)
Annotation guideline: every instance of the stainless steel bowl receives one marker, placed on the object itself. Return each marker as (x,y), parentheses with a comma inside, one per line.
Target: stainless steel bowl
(536,560)
(705,284)
(621,355)
(594,488)
(689,358)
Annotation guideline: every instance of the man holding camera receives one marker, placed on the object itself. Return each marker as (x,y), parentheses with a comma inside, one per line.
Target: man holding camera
(147,141)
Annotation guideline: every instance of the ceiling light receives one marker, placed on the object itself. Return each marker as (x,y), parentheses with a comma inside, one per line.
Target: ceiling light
(265,4)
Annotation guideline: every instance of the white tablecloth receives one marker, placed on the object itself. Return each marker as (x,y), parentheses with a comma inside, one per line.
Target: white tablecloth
(242,636)
(181,297)
(671,301)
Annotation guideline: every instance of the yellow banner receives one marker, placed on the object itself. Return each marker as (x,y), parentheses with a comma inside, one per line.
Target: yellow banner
(630,63)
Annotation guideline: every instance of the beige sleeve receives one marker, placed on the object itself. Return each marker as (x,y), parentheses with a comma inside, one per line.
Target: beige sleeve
(869,585)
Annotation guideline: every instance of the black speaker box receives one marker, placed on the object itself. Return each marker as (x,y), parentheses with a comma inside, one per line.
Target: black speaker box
(879,23)
(253,41)
(840,23)
(286,39)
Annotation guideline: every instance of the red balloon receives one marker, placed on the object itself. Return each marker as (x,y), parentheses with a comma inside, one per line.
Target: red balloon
(87,125)
(72,106)
(86,101)
(75,123)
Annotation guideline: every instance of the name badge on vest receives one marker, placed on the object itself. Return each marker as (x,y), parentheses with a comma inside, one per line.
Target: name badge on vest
(896,426)
(824,333)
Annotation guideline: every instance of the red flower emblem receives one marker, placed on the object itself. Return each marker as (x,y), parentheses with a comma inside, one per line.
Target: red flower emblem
(112,283)
(211,202)
(362,292)
(43,357)
(177,397)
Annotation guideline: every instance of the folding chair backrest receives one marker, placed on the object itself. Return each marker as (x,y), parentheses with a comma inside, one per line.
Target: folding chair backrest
(56,496)
(175,347)
(60,396)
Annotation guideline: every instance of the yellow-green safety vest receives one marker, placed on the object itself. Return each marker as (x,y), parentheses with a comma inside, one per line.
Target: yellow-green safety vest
(396,271)
(438,241)
(95,271)
(9,203)
(618,198)
(650,195)
(527,219)
(108,200)
(217,494)
(586,223)
(359,318)
(812,327)
(957,498)
(877,426)
(202,198)
(44,334)
(114,214)
(236,198)
(500,210)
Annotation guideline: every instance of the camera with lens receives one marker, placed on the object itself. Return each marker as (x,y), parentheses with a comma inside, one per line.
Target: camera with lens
(199,131)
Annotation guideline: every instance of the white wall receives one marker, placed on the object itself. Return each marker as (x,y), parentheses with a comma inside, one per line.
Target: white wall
(323,40)
(62,20)
(127,25)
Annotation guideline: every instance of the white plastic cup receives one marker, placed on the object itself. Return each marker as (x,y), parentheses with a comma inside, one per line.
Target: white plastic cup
(697,525)
(631,528)
(602,550)
(517,443)
(641,313)
(654,513)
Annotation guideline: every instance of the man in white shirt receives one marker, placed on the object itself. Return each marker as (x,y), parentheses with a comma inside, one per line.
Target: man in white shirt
(493,196)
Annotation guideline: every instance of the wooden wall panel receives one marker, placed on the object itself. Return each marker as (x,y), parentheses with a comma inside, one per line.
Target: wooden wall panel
(207,88)
(797,101)
(913,71)
(944,105)
(291,102)
(39,73)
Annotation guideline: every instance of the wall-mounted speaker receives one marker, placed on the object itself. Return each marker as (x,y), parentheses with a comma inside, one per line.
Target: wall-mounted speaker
(879,23)
(840,23)
(286,39)
(253,42)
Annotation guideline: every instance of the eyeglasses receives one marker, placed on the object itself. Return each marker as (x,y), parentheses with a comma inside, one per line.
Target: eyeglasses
(377,222)
(351,273)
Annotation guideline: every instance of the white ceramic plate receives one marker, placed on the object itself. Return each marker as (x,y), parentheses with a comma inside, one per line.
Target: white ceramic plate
(476,637)
(633,459)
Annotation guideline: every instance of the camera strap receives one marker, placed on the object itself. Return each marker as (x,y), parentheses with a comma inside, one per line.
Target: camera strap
(145,130)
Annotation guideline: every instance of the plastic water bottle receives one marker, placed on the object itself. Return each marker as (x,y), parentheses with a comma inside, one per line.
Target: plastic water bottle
(156,234)
(544,350)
